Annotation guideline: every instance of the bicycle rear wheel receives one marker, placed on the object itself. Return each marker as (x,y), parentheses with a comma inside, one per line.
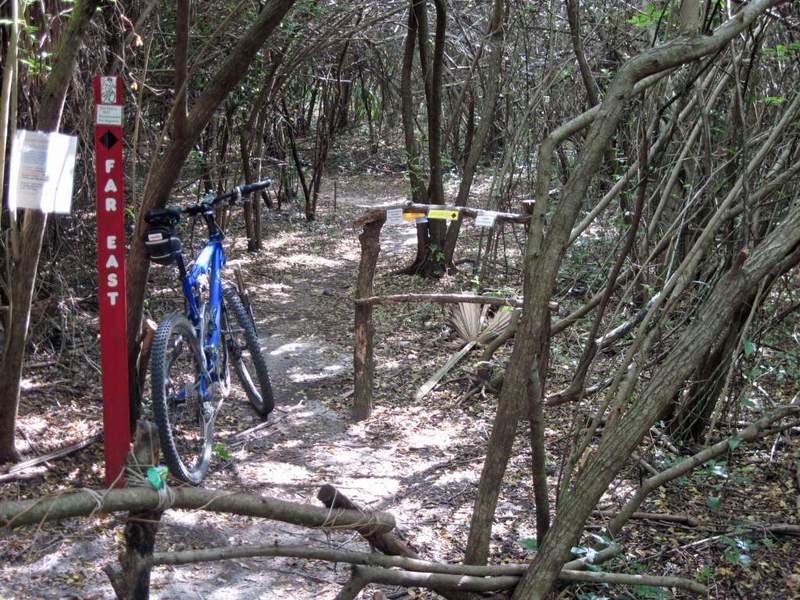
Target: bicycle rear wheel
(184,418)
(244,351)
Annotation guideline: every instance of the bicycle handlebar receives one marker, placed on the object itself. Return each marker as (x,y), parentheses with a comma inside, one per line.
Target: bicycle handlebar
(240,190)
(233,195)
(171,215)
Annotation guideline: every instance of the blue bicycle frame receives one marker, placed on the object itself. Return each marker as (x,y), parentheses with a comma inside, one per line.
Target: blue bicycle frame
(207,319)
(192,350)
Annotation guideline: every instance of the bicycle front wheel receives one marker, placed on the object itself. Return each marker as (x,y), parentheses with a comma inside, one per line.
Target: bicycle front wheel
(181,400)
(244,351)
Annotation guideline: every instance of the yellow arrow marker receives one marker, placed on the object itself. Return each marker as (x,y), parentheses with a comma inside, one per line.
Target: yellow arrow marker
(450,215)
(412,216)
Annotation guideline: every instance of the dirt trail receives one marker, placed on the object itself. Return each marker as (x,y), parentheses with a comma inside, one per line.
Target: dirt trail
(302,302)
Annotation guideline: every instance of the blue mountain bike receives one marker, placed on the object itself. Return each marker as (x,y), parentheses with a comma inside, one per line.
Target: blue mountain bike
(193,350)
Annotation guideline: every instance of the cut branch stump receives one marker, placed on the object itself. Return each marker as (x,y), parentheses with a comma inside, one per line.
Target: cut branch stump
(386,542)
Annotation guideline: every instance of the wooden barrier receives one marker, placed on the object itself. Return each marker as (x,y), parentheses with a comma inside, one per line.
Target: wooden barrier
(371,223)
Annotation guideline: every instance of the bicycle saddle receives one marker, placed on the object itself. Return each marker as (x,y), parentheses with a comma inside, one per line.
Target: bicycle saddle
(159,216)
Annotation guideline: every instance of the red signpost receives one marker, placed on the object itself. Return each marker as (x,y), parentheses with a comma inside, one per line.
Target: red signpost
(111,272)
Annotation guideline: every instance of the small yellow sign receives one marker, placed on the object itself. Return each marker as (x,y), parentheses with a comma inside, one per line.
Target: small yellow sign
(412,216)
(450,215)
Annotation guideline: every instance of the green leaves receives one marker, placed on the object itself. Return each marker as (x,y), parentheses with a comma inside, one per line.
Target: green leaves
(704,573)
(221,451)
(749,347)
(649,591)
(529,543)
(736,550)
(733,442)
(647,17)
(714,502)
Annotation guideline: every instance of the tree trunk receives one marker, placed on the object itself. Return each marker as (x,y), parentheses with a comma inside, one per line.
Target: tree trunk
(573,16)
(621,435)
(407,98)
(33,227)
(181,61)
(543,256)
(429,261)
(435,185)
(496,38)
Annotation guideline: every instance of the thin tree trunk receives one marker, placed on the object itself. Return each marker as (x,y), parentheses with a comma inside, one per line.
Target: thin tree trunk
(496,39)
(181,61)
(435,186)
(407,101)
(573,16)
(33,227)
(247,209)
(166,168)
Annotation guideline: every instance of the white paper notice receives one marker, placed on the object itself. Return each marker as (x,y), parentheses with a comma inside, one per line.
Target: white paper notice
(394,216)
(41,170)
(485,218)
(109,114)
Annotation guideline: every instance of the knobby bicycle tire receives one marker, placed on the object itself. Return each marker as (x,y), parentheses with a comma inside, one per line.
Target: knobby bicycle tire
(183,419)
(260,397)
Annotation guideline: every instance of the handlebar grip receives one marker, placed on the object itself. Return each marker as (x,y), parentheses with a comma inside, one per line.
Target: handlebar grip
(254,187)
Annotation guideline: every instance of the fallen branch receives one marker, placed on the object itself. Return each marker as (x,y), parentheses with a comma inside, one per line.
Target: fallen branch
(388,543)
(469,583)
(687,520)
(15,472)
(183,557)
(444,299)
(433,581)
(240,435)
(431,382)
(440,299)
(776,528)
(81,504)
(748,434)
(681,583)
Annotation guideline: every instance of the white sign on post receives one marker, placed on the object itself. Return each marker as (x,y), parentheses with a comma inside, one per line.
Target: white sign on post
(41,169)
(485,218)
(394,216)
(109,114)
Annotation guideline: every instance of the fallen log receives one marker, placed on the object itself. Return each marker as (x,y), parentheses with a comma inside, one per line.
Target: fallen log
(85,503)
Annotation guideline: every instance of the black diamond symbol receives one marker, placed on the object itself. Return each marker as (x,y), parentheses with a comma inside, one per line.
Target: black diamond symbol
(108,139)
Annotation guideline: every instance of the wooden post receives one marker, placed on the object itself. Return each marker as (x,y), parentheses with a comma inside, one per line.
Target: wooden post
(363,364)
(131,580)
